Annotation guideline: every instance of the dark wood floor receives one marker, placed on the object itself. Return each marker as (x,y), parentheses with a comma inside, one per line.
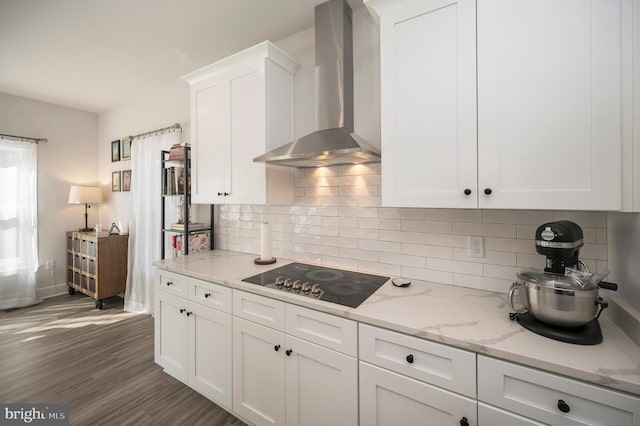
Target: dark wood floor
(100,363)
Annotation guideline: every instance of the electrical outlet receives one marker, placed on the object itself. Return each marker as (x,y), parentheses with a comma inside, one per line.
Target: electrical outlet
(476,246)
(50,265)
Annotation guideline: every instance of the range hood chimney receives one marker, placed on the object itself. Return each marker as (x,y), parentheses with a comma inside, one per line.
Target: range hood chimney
(334,141)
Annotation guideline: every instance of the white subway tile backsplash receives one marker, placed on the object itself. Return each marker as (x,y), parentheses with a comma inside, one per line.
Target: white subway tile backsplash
(454,266)
(426,226)
(402,237)
(518,217)
(485,229)
(439,252)
(337,220)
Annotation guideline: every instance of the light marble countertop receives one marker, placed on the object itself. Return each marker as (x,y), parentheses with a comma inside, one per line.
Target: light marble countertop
(469,319)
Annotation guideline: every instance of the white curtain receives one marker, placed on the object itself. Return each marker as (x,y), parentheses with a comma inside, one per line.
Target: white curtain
(145,230)
(18,223)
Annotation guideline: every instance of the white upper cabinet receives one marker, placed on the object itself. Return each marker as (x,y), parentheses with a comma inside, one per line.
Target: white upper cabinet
(428,102)
(242,107)
(549,104)
(545,130)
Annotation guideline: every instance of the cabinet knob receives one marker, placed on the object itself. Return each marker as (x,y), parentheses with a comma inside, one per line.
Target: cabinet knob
(410,359)
(276,348)
(189,314)
(488,191)
(464,422)
(226,194)
(182,311)
(289,352)
(207,295)
(169,283)
(220,194)
(563,406)
(467,191)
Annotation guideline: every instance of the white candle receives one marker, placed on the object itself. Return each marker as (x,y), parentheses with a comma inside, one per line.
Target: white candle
(265,241)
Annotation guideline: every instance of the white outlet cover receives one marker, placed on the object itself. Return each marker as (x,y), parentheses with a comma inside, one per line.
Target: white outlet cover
(476,246)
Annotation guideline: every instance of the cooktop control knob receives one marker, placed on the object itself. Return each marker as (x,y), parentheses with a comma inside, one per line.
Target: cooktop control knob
(306,287)
(288,283)
(315,290)
(297,286)
(279,282)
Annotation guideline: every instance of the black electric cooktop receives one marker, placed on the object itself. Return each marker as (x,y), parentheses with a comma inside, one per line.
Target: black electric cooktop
(346,288)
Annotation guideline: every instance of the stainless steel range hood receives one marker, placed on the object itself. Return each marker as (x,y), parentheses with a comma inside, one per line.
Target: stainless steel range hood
(334,141)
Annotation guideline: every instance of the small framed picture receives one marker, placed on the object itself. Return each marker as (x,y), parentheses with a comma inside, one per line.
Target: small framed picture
(126,180)
(115,151)
(115,181)
(126,150)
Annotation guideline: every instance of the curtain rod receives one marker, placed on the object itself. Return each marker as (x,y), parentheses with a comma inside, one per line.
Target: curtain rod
(174,127)
(24,138)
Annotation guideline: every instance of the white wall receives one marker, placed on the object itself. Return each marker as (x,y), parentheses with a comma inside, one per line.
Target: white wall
(624,252)
(69,157)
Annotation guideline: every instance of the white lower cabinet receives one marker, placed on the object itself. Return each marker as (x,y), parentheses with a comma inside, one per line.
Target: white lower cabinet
(492,416)
(388,398)
(193,342)
(552,399)
(406,380)
(282,379)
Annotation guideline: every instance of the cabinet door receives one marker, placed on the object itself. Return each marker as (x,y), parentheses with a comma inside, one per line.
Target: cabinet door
(210,353)
(428,103)
(171,334)
(258,373)
(387,398)
(321,385)
(492,416)
(246,180)
(549,104)
(211,142)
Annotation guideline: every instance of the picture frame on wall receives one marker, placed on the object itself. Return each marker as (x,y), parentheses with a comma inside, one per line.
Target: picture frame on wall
(126,149)
(115,182)
(126,180)
(115,151)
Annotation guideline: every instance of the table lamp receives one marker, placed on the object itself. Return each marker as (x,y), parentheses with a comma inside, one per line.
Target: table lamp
(85,195)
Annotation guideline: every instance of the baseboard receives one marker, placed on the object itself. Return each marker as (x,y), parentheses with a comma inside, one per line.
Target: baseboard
(51,291)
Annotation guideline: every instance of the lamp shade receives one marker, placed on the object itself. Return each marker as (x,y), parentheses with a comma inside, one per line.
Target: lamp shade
(85,195)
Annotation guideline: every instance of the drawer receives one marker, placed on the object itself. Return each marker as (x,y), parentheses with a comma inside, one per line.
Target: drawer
(537,395)
(492,416)
(259,309)
(434,363)
(326,330)
(209,294)
(172,283)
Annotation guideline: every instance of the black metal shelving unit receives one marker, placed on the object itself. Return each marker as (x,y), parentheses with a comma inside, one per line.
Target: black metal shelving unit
(185,162)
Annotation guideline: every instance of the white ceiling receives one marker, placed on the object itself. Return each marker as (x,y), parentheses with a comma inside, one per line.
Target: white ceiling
(97,54)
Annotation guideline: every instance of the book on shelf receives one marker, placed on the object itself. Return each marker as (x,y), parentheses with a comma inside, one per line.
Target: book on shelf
(197,243)
(173,180)
(192,226)
(176,152)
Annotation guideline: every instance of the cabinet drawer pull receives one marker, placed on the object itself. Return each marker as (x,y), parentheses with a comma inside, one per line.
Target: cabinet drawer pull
(207,295)
(410,359)
(563,406)
(226,194)
(182,311)
(189,314)
(219,194)
(488,191)
(467,191)
(289,351)
(169,283)
(464,422)
(276,348)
